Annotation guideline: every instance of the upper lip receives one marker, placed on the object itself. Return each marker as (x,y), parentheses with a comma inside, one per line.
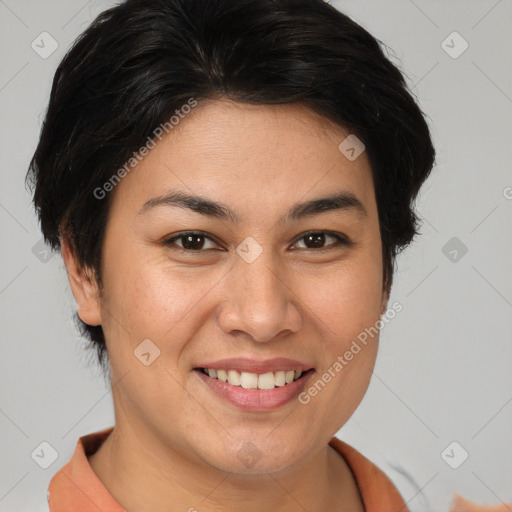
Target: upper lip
(244,364)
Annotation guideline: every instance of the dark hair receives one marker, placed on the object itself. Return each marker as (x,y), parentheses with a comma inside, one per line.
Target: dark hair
(140,61)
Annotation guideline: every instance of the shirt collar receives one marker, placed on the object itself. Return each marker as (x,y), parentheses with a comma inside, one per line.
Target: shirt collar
(76,487)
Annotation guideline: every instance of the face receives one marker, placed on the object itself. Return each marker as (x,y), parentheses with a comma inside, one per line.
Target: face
(252,295)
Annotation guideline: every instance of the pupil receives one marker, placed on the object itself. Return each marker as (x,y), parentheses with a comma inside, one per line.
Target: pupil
(317,238)
(195,242)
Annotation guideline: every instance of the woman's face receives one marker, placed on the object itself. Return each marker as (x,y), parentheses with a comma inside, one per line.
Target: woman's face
(250,287)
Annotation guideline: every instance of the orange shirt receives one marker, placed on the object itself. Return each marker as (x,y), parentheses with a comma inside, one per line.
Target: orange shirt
(76,488)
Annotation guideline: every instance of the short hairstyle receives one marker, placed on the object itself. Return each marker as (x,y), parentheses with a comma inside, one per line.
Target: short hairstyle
(140,61)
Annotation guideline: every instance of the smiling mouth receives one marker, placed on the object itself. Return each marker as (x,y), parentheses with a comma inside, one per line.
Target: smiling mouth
(260,381)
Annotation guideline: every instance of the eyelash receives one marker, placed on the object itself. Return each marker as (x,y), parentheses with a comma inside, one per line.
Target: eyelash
(342,240)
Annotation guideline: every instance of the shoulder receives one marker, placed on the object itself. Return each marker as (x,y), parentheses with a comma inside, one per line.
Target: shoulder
(377,490)
(75,487)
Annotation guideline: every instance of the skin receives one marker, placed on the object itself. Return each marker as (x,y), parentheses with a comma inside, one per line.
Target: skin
(175,442)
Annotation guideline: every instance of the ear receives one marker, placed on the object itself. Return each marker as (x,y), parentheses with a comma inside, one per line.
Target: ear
(83,286)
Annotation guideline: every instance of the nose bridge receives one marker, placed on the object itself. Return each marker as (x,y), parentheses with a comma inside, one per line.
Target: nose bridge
(259,301)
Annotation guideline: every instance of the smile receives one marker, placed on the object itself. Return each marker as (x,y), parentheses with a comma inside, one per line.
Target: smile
(259,390)
(248,380)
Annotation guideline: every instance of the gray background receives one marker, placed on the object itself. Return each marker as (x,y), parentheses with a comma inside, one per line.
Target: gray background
(444,367)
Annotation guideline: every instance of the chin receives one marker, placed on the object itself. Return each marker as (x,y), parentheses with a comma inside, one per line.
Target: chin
(281,463)
(260,454)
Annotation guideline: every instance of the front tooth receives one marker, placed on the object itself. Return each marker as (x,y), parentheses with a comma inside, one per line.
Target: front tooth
(233,377)
(212,373)
(290,376)
(249,380)
(280,378)
(222,375)
(266,381)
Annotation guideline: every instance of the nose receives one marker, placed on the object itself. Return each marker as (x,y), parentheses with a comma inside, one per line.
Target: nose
(260,301)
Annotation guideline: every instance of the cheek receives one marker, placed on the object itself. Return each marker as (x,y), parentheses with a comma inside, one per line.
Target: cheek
(147,300)
(151,298)
(347,308)
(345,299)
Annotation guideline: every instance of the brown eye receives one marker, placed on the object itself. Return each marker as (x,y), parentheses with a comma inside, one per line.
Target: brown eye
(191,241)
(316,240)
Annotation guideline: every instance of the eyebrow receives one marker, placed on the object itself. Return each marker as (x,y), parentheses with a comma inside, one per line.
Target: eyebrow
(344,201)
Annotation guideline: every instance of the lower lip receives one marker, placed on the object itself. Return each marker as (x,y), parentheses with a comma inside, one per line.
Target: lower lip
(256,399)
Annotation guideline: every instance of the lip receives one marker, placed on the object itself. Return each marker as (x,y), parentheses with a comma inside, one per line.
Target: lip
(255,400)
(245,364)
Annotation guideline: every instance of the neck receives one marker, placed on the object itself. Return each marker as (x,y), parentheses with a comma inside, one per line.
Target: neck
(143,475)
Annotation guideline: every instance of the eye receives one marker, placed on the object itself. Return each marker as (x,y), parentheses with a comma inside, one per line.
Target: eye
(193,241)
(315,240)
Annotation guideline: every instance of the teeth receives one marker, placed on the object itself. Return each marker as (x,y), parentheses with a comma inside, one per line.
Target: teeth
(266,381)
(248,380)
(280,378)
(234,377)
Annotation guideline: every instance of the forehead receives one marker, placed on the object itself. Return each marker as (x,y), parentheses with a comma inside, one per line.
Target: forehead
(248,156)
